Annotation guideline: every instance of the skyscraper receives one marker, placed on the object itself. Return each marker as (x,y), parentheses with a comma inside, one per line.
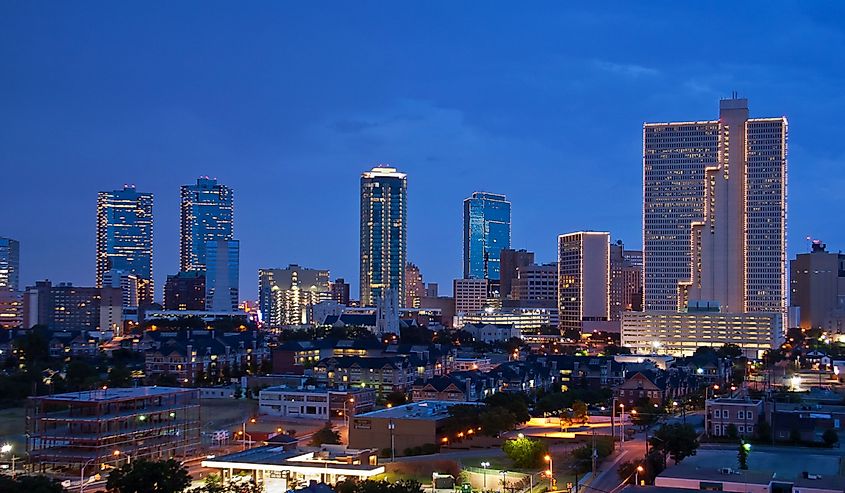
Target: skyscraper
(185,291)
(584,280)
(222,275)
(207,212)
(817,280)
(125,237)
(10,264)
(509,263)
(487,230)
(714,212)
(626,280)
(384,212)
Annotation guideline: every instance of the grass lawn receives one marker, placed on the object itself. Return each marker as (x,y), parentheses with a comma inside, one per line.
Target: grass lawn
(394,476)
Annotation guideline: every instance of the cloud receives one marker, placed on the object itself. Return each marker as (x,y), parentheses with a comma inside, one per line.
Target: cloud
(626,69)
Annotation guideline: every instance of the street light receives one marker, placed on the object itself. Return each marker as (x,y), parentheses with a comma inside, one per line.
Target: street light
(504,481)
(7,449)
(82,474)
(622,422)
(485,465)
(551,471)
(637,475)
(117,453)
(390,426)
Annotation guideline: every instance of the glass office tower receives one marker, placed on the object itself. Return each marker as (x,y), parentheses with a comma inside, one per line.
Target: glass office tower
(222,275)
(207,215)
(487,230)
(10,263)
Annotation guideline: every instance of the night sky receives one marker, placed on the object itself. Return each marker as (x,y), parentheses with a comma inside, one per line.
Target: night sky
(288,102)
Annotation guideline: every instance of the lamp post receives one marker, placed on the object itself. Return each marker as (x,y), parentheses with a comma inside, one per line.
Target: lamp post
(117,453)
(245,435)
(504,481)
(390,426)
(7,449)
(82,475)
(485,465)
(551,471)
(622,422)
(637,475)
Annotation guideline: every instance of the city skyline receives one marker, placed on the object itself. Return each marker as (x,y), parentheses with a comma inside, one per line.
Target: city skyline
(516,133)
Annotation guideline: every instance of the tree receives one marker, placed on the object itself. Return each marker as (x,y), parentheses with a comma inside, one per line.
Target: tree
(120,376)
(645,413)
(143,476)
(325,435)
(731,431)
(730,351)
(579,412)
(525,452)
(763,431)
(382,486)
(676,440)
(396,398)
(30,484)
(214,484)
(830,437)
(742,454)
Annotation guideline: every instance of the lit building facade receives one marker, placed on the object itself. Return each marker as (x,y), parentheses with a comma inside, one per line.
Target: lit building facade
(817,282)
(535,286)
(584,280)
(470,295)
(340,291)
(10,264)
(68,307)
(130,285)
(207,214)
(222,275)
(185,291)
(384,211)
(509,263)
(625,280)
(487,230)
(287,296)
(11,309)
(125,237)
(714,212)
(414,287)
(680,333)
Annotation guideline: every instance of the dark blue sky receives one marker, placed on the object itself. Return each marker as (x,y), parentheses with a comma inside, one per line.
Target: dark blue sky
(287,102)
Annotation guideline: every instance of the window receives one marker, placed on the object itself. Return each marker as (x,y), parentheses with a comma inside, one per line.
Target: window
(717,413)
(740,415)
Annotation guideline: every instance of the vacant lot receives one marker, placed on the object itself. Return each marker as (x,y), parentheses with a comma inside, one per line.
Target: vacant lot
(12,426)
(218,414)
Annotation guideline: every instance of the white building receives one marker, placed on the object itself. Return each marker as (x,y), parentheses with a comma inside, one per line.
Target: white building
(714,212)
(584,280)
(470,295)
(492,332)
(680,333)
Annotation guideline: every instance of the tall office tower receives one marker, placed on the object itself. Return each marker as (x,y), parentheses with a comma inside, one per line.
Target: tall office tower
(431,290)
(817,282)
(584,281)
(287,296)
(487,230)
(414,287)
(340,291)
(625,280)
(714,212)
(535,286)
(221,275)
(207,214)
(510,262)
(470,295)
(185,291)
(10,264)
(384,212)
(125,236)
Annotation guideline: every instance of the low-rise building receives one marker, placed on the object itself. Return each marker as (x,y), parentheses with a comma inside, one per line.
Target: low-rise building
(410,425)
(489,333)
(78,428)
(743,414)
(315,403)
(384,374)
(469,364)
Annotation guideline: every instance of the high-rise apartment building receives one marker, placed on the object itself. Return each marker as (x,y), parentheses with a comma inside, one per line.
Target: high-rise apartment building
(340,291)
(714,212)
(384,212)
(584,280)
(129,284)
(125,237)
(68,307)
(487,230)
(185,291)
(817,282)
(414,287)
(10,264)
(207,214)
(222,275)
(287,296)
(11,309)
(509,263)
(431,290)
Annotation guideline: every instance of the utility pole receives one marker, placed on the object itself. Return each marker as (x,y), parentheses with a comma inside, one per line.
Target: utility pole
(595,453)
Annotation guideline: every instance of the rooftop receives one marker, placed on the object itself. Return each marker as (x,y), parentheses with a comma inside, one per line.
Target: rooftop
(415,410)
(113,394)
